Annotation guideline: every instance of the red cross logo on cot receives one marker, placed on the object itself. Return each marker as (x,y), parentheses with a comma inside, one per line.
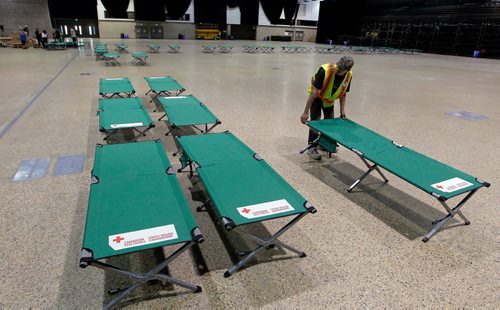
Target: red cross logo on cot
(439,186)
(245,210)
(118,239)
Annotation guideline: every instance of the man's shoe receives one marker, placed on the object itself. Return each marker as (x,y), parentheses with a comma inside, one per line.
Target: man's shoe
(313,153)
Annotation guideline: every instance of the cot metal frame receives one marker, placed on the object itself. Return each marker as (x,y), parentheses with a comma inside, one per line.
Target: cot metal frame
(250,49)
(153,276)
(154,48)
(121,48)
(139,59)
(166,93)
(110,132)
(225,49)
(438,224)
(265,49)
(288,49)
(205,131)
(118,94)
(111,59)
(208,49)
(174,49)
(324,50)
(302,49)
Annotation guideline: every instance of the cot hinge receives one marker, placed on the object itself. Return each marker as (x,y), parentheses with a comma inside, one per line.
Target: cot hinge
(86,258)
(227,223)
(397,144)
(485,184)
(309,207)
(357,152)
(94,179)
(257,157)
(439,197)
(197,236)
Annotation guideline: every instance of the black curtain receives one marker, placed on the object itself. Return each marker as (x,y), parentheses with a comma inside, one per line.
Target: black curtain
(339,18)
(273,9)
(84,9)
(177,8)
(150,10)
(249,12)
(233,3)
(290,9)
(116,8)
(210,11)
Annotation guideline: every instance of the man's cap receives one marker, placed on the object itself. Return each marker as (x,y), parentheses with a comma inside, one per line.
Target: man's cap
(345,63)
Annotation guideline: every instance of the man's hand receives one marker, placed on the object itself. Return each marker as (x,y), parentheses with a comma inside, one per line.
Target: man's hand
(304,117)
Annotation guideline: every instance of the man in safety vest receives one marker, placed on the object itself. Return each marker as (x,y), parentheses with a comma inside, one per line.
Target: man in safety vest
(331,82)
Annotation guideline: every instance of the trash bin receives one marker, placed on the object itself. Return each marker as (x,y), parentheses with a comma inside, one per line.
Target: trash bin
(122,35)
(477,54)
(181,36)
(125,36)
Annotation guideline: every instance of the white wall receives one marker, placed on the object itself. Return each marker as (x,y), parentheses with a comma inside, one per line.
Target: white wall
(101,9)
(131,8)
(233,16)
(307,11)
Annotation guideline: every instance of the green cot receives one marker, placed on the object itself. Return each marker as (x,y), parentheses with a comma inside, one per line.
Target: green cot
(123,113)
(242,188)
(433,177)
(119,87)
(163,86)
(136,204)
(187,111)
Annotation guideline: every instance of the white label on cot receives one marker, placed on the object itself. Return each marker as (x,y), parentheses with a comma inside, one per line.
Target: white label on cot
(127,125)
(157,77)
(451,185)
(142,237)
(175,97)
(265,209)
(114,79)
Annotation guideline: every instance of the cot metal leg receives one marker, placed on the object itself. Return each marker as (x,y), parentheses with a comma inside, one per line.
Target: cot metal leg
(370,169)
(141,133)
(207,130)
(438,224)
(110,134)
(144,278)
(266,243)
(196,127)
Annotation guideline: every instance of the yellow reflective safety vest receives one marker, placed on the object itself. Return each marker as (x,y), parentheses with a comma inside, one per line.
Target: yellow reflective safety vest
(325,93)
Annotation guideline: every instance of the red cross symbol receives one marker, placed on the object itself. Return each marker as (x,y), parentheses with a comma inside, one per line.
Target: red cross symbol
(245,210)
(118,239)
(439,186)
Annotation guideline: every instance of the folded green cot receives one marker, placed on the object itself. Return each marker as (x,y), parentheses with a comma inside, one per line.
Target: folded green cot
(154,48)
(123,113)
(187,111)
(163,86)
(109,88)
(242,188)
(136,204)
(139,59)
(433,177)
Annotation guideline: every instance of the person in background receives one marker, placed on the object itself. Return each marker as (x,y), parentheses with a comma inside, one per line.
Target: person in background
(38,36)
(332,81)
(23,36)
(72,31)
(44,37)
(57,36)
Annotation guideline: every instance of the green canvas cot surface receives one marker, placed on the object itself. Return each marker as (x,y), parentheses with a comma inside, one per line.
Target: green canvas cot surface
(134,204)
(128,118)
(241,187)
(186,110)
(411,166)
(163,83)
(115,85)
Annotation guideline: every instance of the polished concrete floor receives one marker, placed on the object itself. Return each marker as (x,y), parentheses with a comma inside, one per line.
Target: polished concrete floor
(364,248)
